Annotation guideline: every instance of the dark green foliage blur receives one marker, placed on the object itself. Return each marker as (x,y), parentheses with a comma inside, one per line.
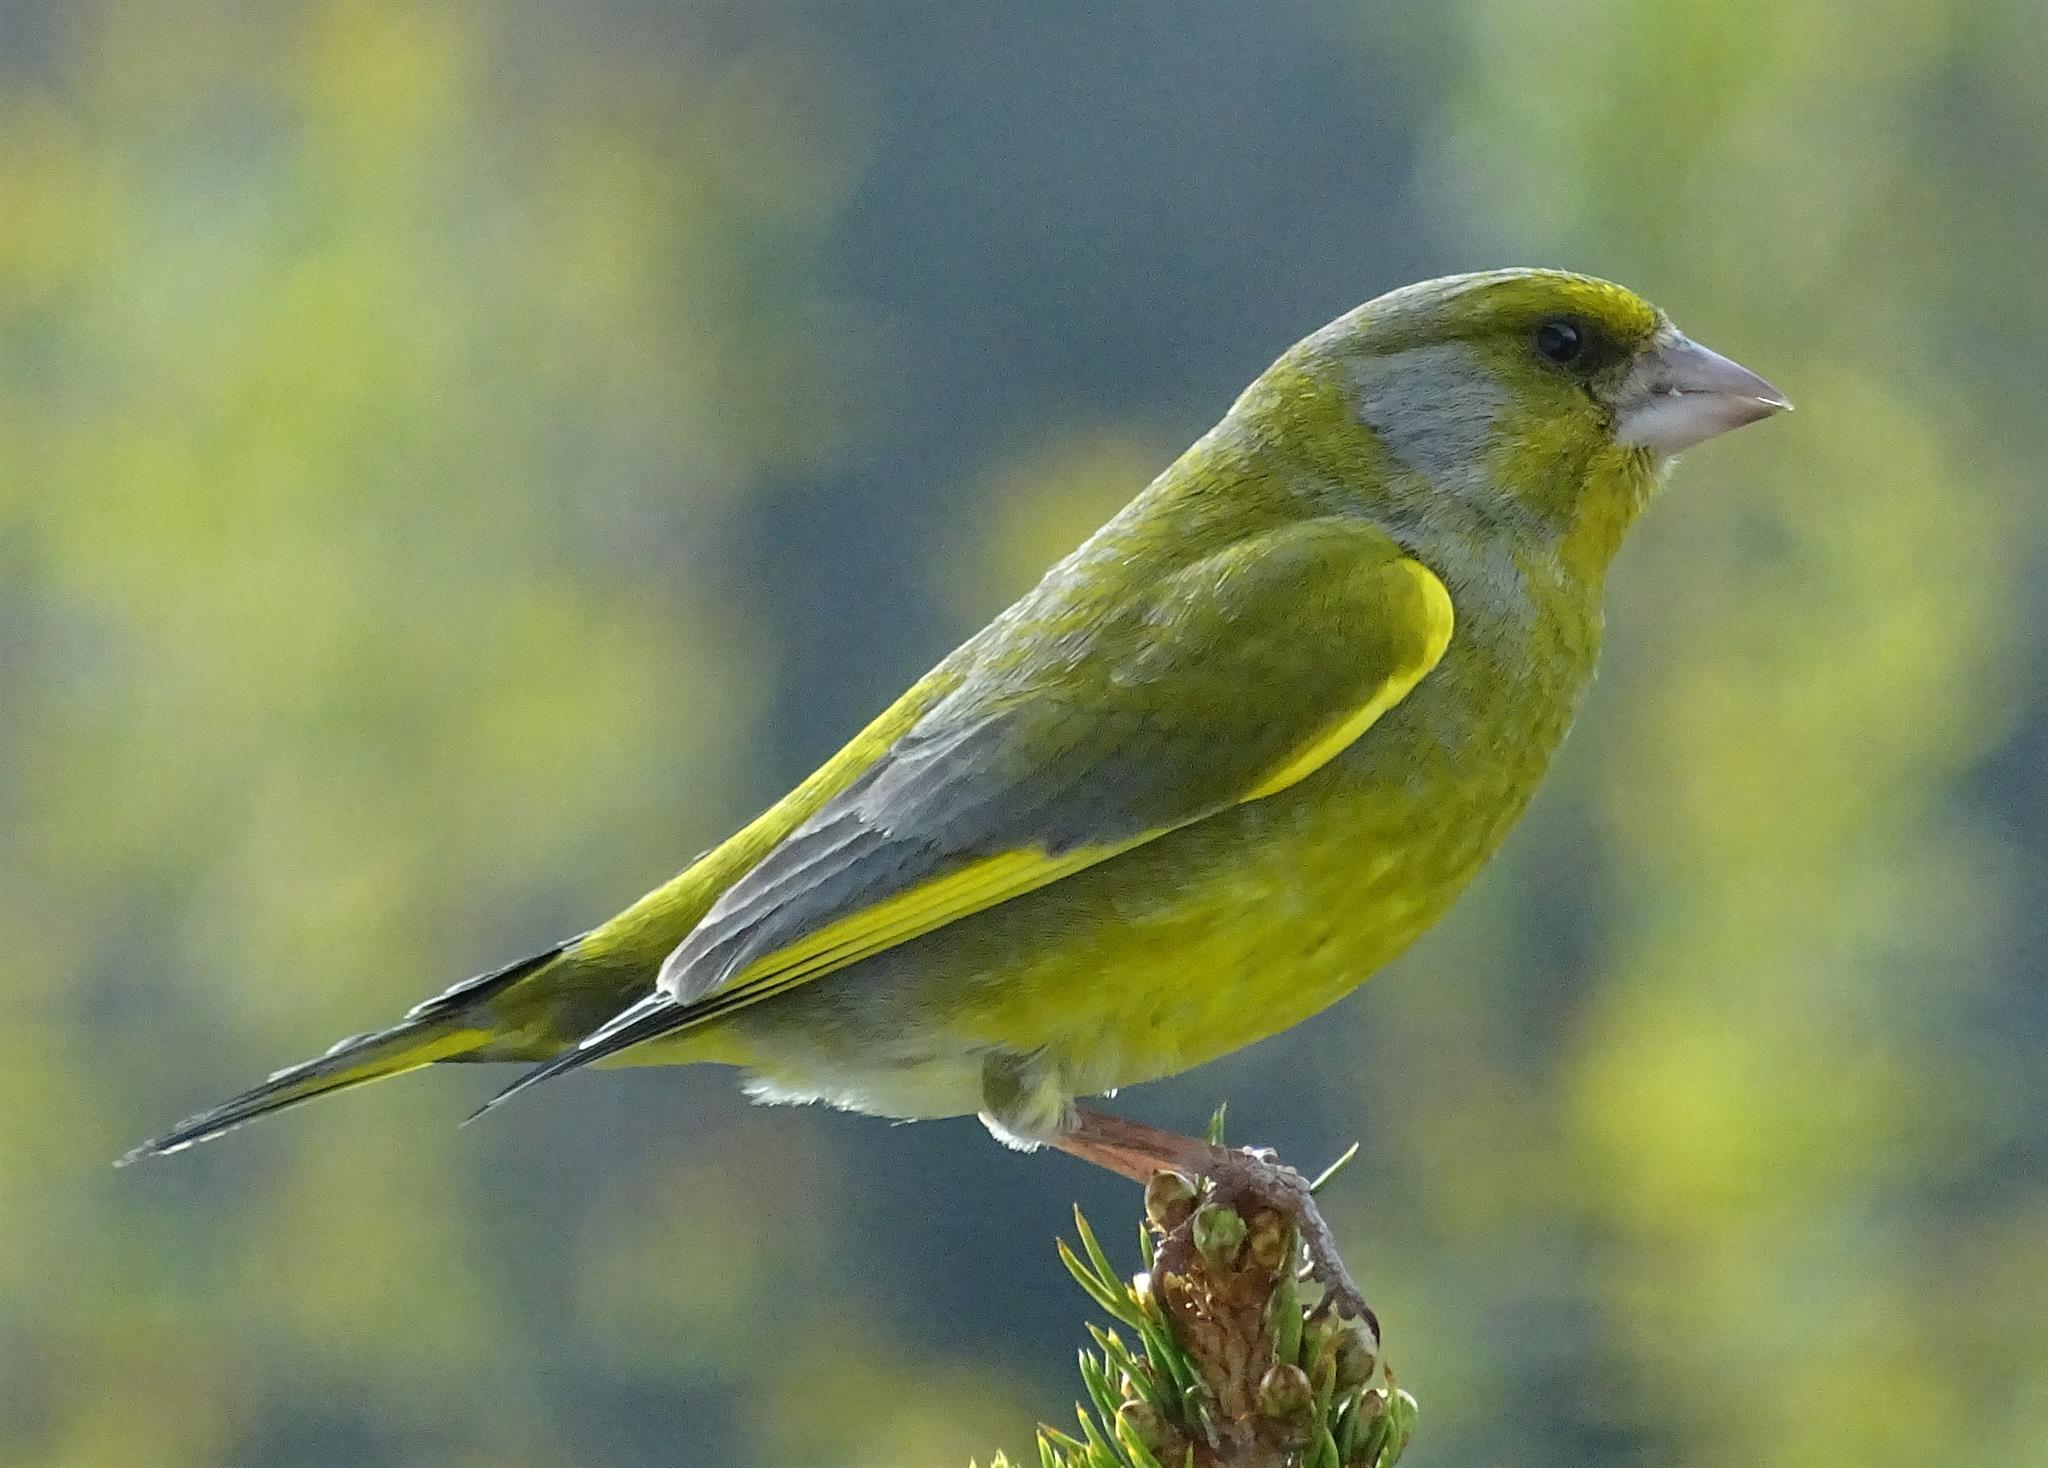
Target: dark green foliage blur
(457,461)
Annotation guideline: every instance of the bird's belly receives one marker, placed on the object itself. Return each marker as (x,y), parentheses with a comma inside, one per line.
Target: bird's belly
(1260,938)
(1162,958)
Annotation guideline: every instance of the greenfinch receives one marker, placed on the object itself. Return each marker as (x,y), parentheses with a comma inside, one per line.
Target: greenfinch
(1220,765)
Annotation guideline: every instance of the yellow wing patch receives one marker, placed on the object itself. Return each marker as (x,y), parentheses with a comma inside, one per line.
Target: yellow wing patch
(995,879)
(893,920)
(1438,619)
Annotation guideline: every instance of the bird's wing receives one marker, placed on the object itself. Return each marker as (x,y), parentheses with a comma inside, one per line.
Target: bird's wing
(1229,681)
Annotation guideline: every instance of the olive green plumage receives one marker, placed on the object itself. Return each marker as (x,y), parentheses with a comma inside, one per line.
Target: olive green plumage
(1220,765)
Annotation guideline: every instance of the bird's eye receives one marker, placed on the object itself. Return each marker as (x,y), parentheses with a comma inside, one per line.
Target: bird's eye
(1560,341)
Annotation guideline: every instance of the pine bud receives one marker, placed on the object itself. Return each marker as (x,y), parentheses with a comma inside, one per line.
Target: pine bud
(1169,1199)
(1219,1234)
(1285,1393)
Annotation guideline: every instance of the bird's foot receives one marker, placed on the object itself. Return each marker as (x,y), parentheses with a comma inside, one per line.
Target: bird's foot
(1244,1178)
(1251,1177)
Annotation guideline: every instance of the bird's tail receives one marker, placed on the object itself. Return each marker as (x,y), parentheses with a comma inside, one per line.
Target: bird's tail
(444,1028)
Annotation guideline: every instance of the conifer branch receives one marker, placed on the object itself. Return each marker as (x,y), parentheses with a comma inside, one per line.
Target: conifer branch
(1221,1353)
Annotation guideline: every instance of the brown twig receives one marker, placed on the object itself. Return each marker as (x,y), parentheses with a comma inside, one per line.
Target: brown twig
(1245,1356)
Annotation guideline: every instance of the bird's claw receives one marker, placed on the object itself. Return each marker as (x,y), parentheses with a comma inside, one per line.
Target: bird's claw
(1254,1175)
(1246,1178)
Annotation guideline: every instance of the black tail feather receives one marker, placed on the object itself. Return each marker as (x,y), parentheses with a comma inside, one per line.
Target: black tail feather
(656,1014)
(445,1027)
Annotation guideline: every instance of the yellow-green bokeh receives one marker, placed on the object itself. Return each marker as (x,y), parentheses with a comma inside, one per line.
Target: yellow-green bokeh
(456,459)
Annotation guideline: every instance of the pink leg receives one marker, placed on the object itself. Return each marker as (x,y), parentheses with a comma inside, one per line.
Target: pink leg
(1134,1150)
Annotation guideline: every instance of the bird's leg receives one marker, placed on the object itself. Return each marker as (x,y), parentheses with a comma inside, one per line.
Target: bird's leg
(1134,1150)
(1246,1178)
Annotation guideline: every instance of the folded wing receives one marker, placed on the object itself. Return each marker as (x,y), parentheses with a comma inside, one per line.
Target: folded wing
(1227,682)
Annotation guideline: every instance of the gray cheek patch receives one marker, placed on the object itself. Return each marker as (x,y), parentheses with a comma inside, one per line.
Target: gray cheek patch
(1434,408)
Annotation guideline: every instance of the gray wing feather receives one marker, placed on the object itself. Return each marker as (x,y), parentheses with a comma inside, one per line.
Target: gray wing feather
(1028,757)
(939,800)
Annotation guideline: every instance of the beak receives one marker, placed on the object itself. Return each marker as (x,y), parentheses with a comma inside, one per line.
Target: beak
(1680,394)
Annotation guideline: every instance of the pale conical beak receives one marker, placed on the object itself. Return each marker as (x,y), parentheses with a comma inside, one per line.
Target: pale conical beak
(1680,394)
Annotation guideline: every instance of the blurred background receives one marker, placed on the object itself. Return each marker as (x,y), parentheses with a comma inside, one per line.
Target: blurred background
(458,460)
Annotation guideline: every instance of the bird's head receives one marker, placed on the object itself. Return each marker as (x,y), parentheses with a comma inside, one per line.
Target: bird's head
(1522,395)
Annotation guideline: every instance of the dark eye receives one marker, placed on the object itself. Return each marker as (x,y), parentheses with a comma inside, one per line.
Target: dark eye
(1560,341)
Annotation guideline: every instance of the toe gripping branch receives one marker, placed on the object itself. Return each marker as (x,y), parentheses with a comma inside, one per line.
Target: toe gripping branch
(1252,1344)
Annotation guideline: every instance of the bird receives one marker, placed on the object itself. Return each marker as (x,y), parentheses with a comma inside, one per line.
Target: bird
(1217,768)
